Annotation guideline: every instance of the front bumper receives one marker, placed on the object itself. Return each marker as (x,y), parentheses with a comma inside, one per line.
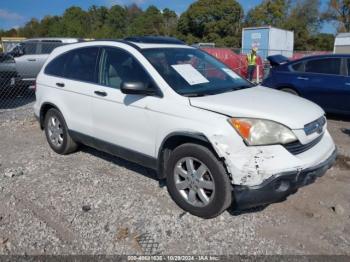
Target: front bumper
(278,187)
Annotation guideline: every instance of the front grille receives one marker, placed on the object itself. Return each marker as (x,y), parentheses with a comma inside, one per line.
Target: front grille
(297,148)
(315,126)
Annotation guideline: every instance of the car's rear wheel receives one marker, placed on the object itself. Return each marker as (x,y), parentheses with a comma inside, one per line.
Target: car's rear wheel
(197,181)
(57,133)
(290,91)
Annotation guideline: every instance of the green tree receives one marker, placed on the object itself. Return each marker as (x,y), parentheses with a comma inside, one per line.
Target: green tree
(54,26)
(75,22)
(31,28)
(169,22)
(133,11)
(150,22)
(321,42)
(117,22)
(9,33)
(304,20)
(213,21)
(269,12)
(97,20)
(339,12)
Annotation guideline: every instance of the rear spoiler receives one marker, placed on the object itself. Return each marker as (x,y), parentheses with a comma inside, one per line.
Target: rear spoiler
(276,60)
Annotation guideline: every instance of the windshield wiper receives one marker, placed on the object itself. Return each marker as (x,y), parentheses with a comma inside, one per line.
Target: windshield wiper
(236,88)
(240,87)
(193,94)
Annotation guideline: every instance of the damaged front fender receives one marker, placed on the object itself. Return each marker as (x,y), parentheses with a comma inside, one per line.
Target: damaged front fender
(251,166)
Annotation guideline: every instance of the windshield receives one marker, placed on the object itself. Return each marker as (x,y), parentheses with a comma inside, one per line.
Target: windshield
(192,72)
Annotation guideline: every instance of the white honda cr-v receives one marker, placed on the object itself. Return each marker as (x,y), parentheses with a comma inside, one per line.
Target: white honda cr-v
(215,138)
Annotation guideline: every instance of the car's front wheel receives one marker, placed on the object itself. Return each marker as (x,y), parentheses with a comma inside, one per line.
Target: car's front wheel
(197,181)
(57,133)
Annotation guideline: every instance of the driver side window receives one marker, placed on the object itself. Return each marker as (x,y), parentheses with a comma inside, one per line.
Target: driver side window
(117,66)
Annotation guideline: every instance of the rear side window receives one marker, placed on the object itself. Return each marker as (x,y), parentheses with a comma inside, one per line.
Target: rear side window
(298,67)
(324,66)
(48,47)
(30,48)
(56,66)
(78,64)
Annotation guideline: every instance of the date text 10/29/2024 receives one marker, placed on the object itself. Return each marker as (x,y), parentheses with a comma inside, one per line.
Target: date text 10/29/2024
(172,258)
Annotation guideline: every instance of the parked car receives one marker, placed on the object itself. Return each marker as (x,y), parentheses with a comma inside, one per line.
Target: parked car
(323,79)
(173,108)
(28,57)
(8,74)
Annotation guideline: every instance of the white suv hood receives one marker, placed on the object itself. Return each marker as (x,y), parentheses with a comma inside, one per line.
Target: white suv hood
(262,102)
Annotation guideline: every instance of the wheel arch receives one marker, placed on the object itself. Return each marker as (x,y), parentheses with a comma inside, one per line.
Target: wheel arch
(45,107)
(175,139)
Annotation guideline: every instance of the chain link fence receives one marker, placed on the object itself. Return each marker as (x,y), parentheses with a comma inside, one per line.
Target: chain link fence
(19,66)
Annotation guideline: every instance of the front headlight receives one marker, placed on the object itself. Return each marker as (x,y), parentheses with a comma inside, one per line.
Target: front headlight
(262,132)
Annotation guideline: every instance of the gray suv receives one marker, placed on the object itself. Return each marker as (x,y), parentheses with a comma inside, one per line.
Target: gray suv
(20,66)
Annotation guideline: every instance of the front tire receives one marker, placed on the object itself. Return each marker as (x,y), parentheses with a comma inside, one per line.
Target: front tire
(56,132)
(197,181)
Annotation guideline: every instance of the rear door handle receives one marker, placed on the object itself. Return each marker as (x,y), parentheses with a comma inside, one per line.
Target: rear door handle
(60,84)
(100,93)
(347,84)
(302,78)
(31,59)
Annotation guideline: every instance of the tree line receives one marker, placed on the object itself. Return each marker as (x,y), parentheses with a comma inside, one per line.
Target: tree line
(218,21)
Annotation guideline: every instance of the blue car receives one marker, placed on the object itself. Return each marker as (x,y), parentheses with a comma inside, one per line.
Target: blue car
(323,79)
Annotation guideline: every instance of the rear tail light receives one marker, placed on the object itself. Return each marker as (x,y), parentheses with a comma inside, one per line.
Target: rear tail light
(33,87)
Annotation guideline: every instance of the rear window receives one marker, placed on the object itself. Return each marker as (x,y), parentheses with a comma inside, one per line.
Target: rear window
(324,66)
(78,64)
(298,67)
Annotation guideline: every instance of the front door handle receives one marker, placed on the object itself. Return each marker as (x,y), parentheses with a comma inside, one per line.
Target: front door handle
(60,84)
(302,78)
(31,59)
(100,93)
(347,84)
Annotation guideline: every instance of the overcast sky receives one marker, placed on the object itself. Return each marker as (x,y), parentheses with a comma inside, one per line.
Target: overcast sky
(14,13)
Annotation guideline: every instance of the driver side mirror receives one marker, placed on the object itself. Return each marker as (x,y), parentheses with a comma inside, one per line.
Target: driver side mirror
(137,88)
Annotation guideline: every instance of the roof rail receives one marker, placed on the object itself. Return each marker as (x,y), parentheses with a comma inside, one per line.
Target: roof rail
(119,41)
(154,40)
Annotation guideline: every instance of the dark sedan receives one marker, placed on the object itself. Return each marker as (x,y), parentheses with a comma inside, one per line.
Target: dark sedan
(323,79)
(8,75)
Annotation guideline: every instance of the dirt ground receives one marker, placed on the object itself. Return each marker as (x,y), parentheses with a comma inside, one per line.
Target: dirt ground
(92,203)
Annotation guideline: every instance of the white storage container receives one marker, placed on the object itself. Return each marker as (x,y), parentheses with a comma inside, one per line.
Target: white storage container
(269,41)
(342,43)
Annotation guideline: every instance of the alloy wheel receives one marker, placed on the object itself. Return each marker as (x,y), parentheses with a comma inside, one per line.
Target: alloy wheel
(55,131)
(194,181)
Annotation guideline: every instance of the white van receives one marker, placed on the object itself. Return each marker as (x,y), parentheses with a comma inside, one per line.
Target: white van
(215,138)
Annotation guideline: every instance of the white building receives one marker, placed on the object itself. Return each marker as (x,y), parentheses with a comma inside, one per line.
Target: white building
(342,43)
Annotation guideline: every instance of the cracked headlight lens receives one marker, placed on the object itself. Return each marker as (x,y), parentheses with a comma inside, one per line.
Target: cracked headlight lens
(262,132)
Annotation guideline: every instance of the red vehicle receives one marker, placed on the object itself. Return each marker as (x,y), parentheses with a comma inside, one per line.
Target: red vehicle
(237,62)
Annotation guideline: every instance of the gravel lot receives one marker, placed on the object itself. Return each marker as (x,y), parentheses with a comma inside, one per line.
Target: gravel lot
(92,203)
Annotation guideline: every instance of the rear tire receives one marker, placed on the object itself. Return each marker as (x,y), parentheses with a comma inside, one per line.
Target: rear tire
(197,181)
(57,134)
(290,91)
